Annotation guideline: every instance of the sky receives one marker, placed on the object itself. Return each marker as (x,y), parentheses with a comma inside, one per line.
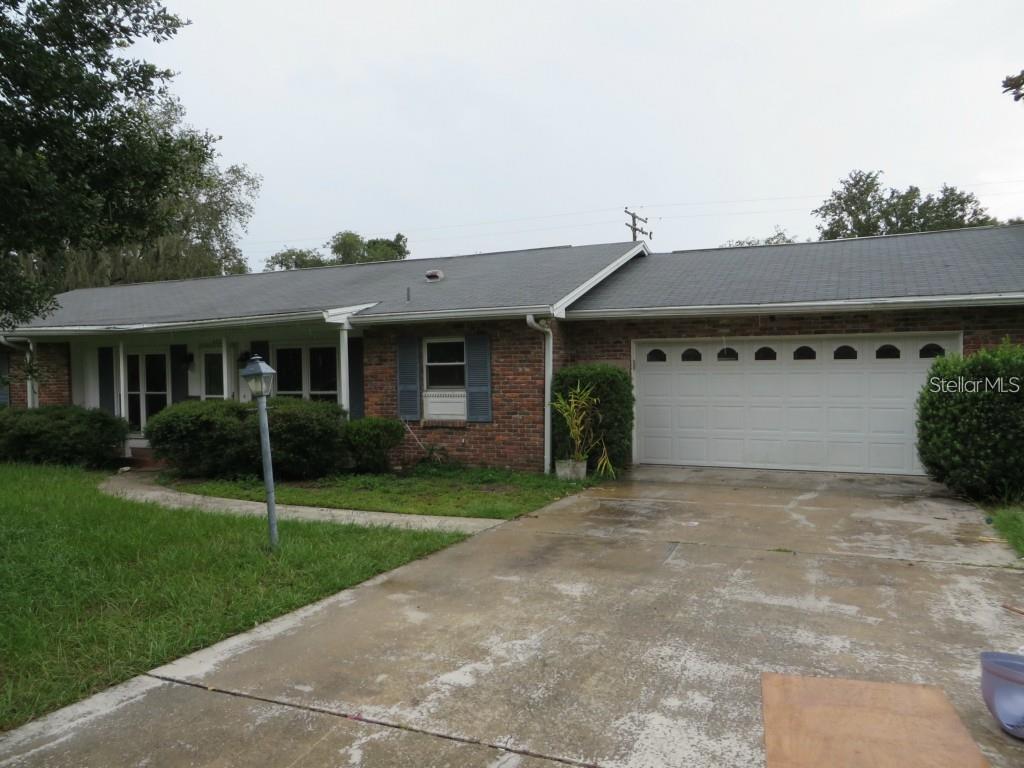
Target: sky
(484,126)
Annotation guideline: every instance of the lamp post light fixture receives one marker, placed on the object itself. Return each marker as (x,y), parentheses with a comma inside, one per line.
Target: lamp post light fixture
(260,378)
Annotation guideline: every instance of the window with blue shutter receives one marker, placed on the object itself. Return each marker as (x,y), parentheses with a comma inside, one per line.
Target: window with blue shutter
(408,378)
(478,378)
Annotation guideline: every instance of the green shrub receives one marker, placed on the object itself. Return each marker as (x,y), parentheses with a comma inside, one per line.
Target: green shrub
(613,388)
(371,439)
(974,441)
(61,434)
(206,438)
(220,438)
(307,437)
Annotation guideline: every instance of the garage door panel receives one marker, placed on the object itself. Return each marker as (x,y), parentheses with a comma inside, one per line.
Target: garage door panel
(845,415)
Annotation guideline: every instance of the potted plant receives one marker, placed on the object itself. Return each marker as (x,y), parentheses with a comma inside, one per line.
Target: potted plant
(579,410)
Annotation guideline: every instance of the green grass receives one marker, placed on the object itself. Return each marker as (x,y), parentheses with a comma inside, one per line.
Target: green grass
(1009,521)
(425,491)
(94,590)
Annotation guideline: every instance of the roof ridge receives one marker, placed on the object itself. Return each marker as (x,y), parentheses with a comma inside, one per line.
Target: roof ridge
(336,266)
(844,239)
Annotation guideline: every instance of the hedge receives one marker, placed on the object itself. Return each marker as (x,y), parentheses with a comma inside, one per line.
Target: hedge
(371,439)
(972,438)
(220,438)
(62,434)
(614,390)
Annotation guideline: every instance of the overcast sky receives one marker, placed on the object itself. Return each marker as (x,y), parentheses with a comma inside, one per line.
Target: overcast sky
(481,126)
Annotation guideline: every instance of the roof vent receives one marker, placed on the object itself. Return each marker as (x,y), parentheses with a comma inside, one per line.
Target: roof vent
(434,275)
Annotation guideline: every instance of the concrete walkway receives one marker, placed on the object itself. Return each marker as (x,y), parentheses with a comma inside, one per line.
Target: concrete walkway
(142,486)
(626,627)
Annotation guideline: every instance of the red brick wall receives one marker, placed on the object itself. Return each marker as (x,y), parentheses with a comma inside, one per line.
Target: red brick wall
(609,340)
(53,363)
(515,436)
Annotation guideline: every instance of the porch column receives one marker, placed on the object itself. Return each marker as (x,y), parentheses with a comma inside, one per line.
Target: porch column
(344,398)
(229,385)
(31,390)
(122,379)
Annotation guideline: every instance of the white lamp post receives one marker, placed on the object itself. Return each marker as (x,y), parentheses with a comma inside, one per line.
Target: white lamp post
(260,378)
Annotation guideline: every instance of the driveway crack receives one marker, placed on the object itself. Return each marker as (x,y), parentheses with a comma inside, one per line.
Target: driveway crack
(357,718)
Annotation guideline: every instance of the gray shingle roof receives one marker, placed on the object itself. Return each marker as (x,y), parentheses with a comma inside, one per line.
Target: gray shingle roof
(533,278)
(983,260)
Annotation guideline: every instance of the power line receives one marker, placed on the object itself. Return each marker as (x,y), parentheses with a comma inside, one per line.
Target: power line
(635,228)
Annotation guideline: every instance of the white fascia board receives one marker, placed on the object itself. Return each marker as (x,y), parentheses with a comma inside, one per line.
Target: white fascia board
(844,305)
(558,309)
(85,330)
(439,315)
(342,315)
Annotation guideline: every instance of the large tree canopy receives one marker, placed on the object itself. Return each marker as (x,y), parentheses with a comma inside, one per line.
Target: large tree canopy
(862,208)
(345,247)
(205,219)
(83,165)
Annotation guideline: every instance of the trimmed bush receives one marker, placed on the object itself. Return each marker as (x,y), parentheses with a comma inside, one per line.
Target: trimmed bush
(973,441)
(307,437)
(206,438)
(220,438)
(370,440)
(61,434)
(613,388)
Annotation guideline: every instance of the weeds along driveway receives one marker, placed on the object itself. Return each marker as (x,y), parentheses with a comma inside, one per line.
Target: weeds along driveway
(628,626)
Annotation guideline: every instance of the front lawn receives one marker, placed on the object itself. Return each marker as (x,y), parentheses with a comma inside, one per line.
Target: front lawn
(425,491)
(94,589)
(1009,521)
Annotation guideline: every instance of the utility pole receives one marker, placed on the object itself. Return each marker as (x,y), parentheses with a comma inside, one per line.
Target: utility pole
(636,228)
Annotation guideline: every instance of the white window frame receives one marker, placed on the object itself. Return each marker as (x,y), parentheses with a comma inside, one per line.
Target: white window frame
(305,346)
(426,365)
(142,391)
(203,394)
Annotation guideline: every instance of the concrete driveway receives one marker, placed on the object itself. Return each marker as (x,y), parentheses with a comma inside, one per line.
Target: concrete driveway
(625,627)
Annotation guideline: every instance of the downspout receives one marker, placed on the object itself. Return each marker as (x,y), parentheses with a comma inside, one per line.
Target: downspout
(549,364)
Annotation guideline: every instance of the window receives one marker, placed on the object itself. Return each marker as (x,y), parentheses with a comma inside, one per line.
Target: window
(804,353)
(765,353)
(691,355)
(931,350)
(887,352)
(728,355)
(845,352)
(445,361)
(147,387)
(288,363)
(656,356)
(213,376)
(323,373)
(307,372)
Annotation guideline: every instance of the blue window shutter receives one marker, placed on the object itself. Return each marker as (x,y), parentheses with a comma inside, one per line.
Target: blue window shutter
(478,378)
(408,378)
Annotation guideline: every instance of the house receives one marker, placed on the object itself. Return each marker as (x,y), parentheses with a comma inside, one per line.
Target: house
(802,356)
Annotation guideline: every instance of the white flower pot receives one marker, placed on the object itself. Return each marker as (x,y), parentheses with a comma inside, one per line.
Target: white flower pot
(568,469)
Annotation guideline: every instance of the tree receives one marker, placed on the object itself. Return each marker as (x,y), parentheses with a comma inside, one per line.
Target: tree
(779,237)
(862,208)
(1014,84)
(205,218)
(80,163)
(346,247)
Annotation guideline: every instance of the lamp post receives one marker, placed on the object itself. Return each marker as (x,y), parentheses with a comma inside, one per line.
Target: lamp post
(260,378)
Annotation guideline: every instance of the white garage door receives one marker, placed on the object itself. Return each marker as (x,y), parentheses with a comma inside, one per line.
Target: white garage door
(844,404)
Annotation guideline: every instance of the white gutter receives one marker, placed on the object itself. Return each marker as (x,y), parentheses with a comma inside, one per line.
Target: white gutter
(842,305)
(549,364)
(559,307)
(478,313)
(342,315)
(76,330)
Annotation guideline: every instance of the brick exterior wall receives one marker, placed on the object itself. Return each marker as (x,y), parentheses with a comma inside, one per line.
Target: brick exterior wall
(515,436)
(609,340)
(53,362)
